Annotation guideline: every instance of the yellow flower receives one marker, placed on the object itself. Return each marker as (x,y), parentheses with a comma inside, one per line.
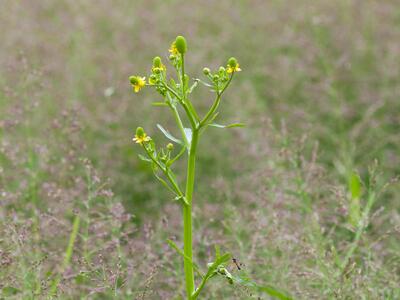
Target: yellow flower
(141,136)
(173,50)
(231,69)
(141,139)
(137,82)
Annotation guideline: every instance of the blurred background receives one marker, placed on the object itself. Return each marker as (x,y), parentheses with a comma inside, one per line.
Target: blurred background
(319,94)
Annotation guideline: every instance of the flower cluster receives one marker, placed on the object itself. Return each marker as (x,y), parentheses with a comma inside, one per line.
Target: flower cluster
(178,48)
(222,77)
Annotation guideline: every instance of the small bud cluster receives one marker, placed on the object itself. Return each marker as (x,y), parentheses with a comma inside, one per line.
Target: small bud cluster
(223,75)
(158,75)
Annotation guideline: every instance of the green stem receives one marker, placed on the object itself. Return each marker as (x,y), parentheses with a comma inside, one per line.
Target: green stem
(165,171)
(187,216)
(180,124)
(67,257)
(201,286)
(215,105)
(361,227)
(184,104)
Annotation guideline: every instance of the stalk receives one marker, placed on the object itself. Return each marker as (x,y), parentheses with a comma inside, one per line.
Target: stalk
(187,216)
(67,256)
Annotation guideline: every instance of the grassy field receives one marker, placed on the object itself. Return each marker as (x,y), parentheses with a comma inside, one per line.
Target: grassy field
(305,196)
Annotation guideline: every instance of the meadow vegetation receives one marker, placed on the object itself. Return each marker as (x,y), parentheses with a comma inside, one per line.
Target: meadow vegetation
(305,196)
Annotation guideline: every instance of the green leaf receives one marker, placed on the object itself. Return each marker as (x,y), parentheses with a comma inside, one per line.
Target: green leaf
(213,117)
(193,86)
(169,135)
(355,185)
(218,261)
(217,251)
(243,279)
(144,158)
(9,291)
(159,104)
(181,253)
(213,270)
(204,83)
(355,194)
(227,126)
(173,84)
(274,293)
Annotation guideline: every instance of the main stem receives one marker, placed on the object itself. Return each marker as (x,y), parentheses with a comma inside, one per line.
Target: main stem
(187,216)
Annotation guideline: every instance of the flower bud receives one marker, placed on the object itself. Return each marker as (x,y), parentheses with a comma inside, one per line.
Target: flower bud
(152,79)
(222,70)
(140,132)
(180,44)
(170,147)
(133,79)
(206,71)
(157,62)
(232,62)
(215,77)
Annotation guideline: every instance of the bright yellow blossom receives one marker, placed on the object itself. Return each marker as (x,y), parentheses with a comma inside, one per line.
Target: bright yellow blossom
(173,50)
(137,83)
(231,69)
(141,139)
(141,136)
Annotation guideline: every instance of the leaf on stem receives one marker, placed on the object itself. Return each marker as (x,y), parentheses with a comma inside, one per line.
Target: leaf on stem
(169,135)
(227,126)
(159,104)
(213,270)
(181,253)
(243,279)
(141,157)
(193,86)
